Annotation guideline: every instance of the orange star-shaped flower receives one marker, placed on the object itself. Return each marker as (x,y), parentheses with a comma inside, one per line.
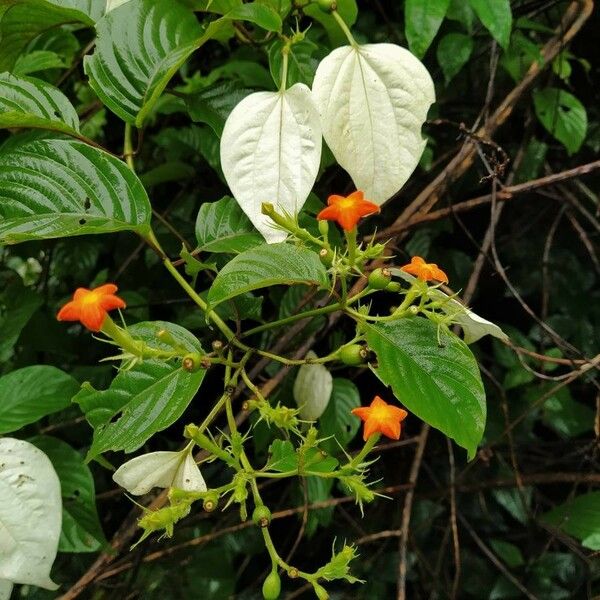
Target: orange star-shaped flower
(90,307)
(381,417)
(348,210)
(425,271)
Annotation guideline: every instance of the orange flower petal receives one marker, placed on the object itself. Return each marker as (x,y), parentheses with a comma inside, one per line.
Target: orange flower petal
(348,210)
(69,312)
(425,271)
(381,417)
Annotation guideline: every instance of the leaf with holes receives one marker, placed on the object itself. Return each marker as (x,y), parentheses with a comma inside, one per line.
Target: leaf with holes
(434,374)
(373,100)
(270,152)
(143,400)
(563,115)
(59,188)
(81,529)
(29,102)
(223,227)
(264,266)
(30,393)
(30,514)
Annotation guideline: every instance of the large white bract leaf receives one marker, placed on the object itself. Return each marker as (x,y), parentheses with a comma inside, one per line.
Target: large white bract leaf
(373,100)
(5,589)
(30,514)
(270,152)
(312,389)
(160,469)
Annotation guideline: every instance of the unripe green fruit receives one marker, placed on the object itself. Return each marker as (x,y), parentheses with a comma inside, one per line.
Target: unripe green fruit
(393,286)
(353,355)
(379,279)
(327,5)
(210,502)
(272,586)
(261,516)
(192,362)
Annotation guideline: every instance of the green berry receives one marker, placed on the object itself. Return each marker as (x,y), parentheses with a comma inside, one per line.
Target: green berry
(192,362)
(327,6)
(379,279)
(393,286)
(353,355)
(261,516)
(272,586)
(210,502)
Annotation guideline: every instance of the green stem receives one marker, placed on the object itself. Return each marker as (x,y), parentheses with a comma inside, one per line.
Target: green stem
(128,147)
(344,28)
(285,51)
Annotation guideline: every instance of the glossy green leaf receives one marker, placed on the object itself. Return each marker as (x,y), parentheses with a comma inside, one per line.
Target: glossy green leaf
(30,393)
(29,102)
(140,46)
(284,457)
(453,52)
(496,17)
(144,399)
(256,13)
(434,374)
(568,417)
(222,226)
(36,61)
(81,529)
(58,188)
(21,21)
(266,265)
(422,22)
(213,104)
(563,115)
(580,518)
(338,420)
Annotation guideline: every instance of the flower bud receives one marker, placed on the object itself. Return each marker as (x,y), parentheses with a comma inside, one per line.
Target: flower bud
(192,362)
(324,228)
(353,355)
(261,516)
(379,279)
(393,286)
(272,586)
(320,591)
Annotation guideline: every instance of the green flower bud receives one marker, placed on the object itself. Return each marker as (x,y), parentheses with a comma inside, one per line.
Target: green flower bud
(324,228)
(320,591)
(327,6)
(393,286)
(353,355)
(261,516)
(379,279)
(272,586)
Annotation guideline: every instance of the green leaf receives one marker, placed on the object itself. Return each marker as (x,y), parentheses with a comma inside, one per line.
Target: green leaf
(81,529)
(21,21)
(31,393)
(38,60)
(259,14)
(338,420)
(438,382)
(17,305)
(453,53)
(580,518)
(347,9)
(213,104)
(282,456)
(29,102)
(222,226)
(461,11)
(566,416)
(143,400)
(140,46)
(509,553)
(496,17)
(302,66)
(266,265)
(563,115)
(422,22)
(58,188)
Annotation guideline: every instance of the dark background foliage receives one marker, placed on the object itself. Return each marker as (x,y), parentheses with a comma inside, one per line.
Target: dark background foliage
(530,264)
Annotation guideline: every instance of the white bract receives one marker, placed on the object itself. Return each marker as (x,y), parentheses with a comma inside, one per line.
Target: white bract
(373,100)
(110,4)
(474,327)
(312,389)
(30,516)
(270,152)
(160,469)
